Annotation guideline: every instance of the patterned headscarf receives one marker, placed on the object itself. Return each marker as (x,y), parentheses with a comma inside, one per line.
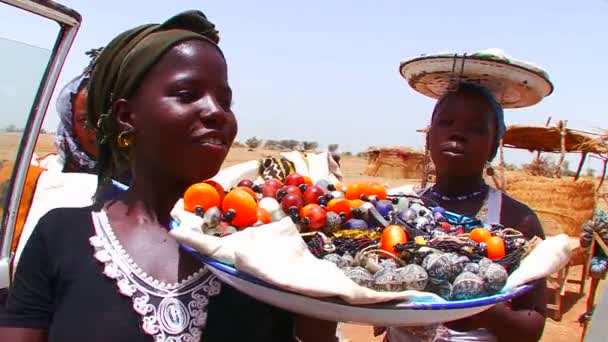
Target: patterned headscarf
(69,149)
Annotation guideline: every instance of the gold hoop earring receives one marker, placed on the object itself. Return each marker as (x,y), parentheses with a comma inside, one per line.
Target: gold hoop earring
(489,169)
(124,140)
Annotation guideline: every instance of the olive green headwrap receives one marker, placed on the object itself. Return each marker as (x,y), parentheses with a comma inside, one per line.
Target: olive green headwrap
(118,72)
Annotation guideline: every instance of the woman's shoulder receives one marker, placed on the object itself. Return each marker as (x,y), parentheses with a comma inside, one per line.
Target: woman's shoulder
(520,216)
(59,220)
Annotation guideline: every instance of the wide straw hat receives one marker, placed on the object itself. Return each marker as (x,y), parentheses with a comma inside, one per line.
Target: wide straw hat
(514,83)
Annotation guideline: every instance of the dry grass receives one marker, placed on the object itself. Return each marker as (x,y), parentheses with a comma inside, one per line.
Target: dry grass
(10,141)
(562,204)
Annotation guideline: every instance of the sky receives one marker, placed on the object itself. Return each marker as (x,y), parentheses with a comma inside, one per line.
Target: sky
(327,70)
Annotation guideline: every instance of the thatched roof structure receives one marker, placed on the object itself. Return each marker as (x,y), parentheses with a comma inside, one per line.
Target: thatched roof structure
(560,203)
(395,162)
(548,139)
(558,139)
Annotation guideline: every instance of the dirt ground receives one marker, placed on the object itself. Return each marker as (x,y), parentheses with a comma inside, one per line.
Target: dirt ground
(566,330)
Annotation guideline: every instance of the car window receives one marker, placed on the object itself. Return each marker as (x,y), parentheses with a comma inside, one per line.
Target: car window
(24,57)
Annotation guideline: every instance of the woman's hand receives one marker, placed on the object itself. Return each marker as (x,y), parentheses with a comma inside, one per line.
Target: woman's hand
(308,329)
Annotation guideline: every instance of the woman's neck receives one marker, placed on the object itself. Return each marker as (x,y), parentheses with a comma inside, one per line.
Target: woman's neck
(151,197)
(458,185)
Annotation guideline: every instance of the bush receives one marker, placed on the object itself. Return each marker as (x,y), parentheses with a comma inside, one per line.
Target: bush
(362,154)
(333,147)
(546,167)
(272,144)
(347,154)
(310,145)
(290,144)
(12,129)
(253,142)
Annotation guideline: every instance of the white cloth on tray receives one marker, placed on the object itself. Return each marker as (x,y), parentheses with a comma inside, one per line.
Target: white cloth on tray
(276,253)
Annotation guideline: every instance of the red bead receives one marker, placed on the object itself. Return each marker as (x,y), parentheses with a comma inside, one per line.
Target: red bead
(291,200)
(246,183)
(295,179)
(314,215)
(270,187)
(312,194)
(445,226)
(292,189)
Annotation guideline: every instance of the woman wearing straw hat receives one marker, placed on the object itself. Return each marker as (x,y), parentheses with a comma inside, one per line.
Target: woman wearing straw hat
(466,127)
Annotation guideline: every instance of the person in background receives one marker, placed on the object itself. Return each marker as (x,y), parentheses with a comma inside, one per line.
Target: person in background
(74,140)
(467,126)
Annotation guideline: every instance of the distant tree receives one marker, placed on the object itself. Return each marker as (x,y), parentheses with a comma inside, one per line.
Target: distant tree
(347,154)
(590,172)
(43,131)
(253,142)
(11,128)
(237,144)
(310,145)
(333,148)
(362,154)
(566,169)
(290,144)
(272,144)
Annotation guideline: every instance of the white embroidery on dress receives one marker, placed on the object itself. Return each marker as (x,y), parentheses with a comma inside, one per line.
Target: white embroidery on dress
(170,312)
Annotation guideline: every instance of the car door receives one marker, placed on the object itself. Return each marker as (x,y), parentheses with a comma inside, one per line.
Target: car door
(28,75)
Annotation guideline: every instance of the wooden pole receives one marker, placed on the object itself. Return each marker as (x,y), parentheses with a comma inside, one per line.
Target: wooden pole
(425,168)
(503,179)
(546,125)
(603,173)
(580,165)
(562,143)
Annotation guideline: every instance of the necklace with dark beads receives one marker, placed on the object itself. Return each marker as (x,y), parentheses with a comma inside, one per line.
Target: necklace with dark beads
(480,192)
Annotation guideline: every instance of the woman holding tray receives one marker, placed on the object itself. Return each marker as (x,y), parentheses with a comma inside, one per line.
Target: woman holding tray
(466,128)
(160,102)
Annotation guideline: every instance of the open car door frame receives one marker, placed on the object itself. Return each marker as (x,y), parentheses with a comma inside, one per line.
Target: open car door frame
(69,22)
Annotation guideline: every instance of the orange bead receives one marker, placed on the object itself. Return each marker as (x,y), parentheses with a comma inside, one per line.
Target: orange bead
(307,181)
(339,205)
(341,187)
(376,189)
(244,205)
(263,215)
(249,191)
(357,203)
(201,195)
(355,190)
(218,187)
(496,247)
(391,236)
(480,235)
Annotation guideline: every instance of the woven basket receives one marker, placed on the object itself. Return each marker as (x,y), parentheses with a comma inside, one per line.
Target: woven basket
(562,204)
